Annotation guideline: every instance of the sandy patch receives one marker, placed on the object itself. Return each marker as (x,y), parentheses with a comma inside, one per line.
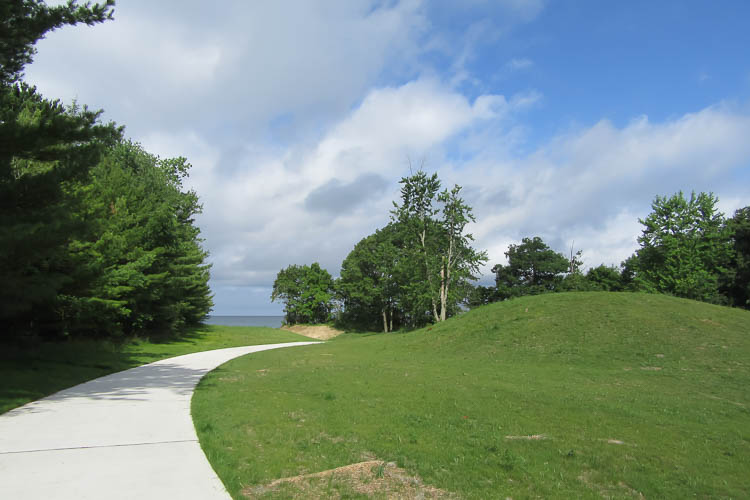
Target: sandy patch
(320,332)
(370,478)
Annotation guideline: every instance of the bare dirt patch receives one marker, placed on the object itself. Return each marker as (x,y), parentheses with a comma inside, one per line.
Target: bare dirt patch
(372,478)
(533,437)
(619,490)
(615,441)
(320,332)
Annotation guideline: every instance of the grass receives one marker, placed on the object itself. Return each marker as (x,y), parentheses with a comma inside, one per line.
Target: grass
(28,373)
(578,395)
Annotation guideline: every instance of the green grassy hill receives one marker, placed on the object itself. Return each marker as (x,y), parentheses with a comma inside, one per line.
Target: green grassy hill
(579,395)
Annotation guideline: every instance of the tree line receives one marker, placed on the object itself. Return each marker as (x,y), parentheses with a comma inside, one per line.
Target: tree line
(687,249)
(97,236)
(419,268)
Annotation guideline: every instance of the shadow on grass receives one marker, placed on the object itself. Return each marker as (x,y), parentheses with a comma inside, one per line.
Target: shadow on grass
(30,370)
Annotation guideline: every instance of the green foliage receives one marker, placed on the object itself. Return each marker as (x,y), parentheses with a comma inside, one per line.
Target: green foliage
(605,278)
(368,286)
(482,295)
(307,292)
(738,286)
(685,248)
(44,150)
(96,235)
(418,268)
(533,268)
(24,22)
(435,246)
(140,263)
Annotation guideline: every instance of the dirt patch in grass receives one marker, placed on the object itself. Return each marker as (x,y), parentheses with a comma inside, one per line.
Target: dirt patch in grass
(373,478)
(533,437)
(619,490)
(320,332)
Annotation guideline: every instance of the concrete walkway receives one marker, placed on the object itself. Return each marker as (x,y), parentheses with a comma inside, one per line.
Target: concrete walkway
(128,435)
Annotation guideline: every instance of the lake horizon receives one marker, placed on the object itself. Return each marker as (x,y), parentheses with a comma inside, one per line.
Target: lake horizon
(230,320)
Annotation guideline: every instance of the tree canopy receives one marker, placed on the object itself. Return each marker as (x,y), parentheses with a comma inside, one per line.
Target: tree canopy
(685,249)
(433,224)
(416,269)
(307,293)
(368,286)
(97,236)
(533,268)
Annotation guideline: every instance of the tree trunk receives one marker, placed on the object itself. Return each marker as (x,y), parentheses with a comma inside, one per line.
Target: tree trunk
(443,295)
(385,321)
(429,277)
(445,281)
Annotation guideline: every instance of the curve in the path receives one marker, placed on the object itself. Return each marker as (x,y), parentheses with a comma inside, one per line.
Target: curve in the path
(127,435)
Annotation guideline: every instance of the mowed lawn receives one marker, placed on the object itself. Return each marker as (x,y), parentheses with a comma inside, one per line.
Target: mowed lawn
(579,395)
(30,372)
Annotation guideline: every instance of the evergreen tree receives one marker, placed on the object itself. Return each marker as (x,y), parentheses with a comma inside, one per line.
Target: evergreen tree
(737,287)
(685,248)
(533,268)
(96,235)
(139,264)
(44,147)
(25,22)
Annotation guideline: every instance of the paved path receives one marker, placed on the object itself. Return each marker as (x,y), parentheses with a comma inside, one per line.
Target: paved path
(128,435)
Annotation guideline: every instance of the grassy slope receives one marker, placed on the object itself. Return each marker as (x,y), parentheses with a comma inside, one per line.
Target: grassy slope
(581,369)
(26,375)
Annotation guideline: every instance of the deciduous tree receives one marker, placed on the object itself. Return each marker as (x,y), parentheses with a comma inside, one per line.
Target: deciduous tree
(307,293)
(436,243)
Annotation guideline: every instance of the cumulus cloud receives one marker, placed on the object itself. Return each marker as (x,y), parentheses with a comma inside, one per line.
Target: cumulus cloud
(239,64)
(590,186)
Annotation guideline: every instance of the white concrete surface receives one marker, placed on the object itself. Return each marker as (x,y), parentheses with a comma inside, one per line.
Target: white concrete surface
(128,435)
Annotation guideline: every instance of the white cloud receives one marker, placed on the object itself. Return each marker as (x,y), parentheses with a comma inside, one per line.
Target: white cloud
(240,65)
(592,185)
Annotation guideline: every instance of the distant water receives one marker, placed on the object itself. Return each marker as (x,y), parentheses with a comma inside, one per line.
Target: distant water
(270,321)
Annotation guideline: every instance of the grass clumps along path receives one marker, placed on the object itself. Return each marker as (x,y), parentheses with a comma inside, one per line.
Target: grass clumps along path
(580,395)
(30,372)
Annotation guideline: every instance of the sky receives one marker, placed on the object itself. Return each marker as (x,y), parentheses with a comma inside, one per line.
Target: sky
(559,119)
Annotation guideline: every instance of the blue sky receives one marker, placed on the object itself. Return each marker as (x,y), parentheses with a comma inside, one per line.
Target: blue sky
(560,119)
